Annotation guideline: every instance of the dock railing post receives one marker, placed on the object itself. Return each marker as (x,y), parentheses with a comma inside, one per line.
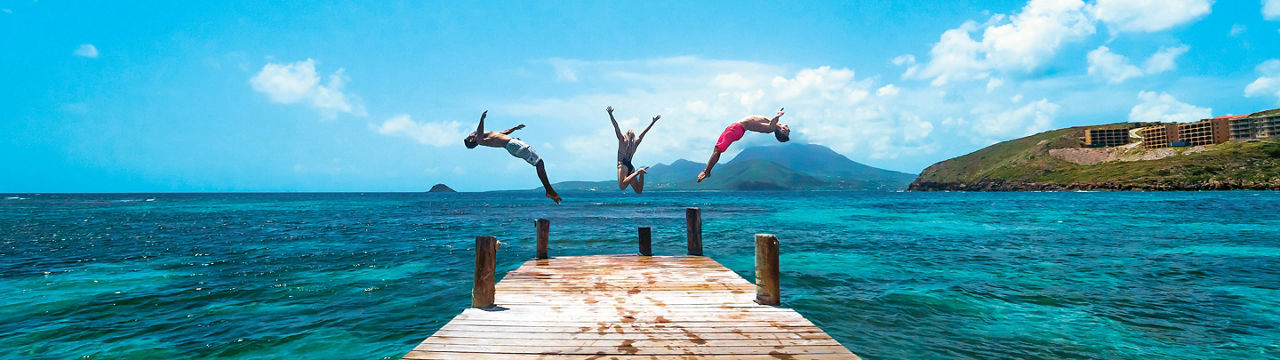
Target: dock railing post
(544,230)
(767,288)
(486,261)
(693,225)
(646,243)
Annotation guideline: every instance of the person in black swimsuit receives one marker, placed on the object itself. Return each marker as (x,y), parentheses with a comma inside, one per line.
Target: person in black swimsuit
(628,175)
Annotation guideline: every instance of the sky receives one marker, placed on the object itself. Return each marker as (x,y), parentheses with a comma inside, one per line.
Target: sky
(180,96)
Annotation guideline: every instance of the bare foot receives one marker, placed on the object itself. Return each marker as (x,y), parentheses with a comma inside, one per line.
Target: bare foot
(703,175)
(554,197)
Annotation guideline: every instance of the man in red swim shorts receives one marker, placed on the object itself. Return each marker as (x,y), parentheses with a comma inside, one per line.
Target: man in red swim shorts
(735,131)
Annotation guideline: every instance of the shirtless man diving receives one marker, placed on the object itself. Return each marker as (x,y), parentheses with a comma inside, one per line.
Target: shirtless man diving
(735,131)
(514,146)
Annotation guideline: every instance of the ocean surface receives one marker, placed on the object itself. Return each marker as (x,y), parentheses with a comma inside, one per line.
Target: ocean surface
(1192,275)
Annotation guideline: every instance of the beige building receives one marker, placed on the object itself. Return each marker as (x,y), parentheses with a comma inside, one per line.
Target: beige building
(1204,132)
(1263,125)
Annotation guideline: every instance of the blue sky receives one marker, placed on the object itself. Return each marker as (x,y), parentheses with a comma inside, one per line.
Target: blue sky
(376,96)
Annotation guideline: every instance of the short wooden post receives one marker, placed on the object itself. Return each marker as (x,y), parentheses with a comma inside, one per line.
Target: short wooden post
(646,244)
(544,230)
(767,289)
(482,284)
(693,225)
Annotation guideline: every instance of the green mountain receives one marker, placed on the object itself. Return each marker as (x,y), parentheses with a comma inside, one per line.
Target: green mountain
(827,165)
(774,167)
(441,188)
(1054,161)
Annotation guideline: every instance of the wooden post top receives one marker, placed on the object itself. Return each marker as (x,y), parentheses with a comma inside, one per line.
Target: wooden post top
(768,290)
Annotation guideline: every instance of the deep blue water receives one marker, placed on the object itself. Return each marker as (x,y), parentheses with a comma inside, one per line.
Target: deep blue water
(890,275)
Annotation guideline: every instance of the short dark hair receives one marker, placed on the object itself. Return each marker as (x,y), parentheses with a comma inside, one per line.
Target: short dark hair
(781,137)
(471,144)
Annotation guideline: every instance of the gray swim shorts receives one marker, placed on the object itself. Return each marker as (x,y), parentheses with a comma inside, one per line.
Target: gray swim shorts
(521,150)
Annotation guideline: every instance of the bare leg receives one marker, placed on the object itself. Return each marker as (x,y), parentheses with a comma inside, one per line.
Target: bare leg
(542,175)
(632,178)
(622,177)
(715,157)
(638,183)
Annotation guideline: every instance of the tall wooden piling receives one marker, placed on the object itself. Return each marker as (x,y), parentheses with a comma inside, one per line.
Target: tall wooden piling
(767,287)
(482,288)
(693,225)
(646,244)
(544,230)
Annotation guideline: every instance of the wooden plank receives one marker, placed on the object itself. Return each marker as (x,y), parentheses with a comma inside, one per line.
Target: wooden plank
(628,307)
(777,355)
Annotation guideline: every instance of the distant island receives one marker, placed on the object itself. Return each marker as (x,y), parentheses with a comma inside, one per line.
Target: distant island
(1223,153)
(789,166)
(441,188)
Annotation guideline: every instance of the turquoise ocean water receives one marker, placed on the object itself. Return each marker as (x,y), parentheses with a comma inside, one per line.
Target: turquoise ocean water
(890,275)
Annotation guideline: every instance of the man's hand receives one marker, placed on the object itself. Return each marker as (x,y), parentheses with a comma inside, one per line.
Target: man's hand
(655,118)
(609,109)
(518,127)
(779,113)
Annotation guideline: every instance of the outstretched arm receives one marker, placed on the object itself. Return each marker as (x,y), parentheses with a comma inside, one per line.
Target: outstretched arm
(480,129)
(646,129)
(773,123)
(616,131)
(511,130)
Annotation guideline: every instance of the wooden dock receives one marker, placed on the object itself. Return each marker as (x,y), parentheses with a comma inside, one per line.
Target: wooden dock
(627,307)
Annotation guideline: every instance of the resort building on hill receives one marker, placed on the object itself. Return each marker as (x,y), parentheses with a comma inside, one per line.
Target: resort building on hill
(1263,125)
(1256,126)
(1105,137)
(1204,132)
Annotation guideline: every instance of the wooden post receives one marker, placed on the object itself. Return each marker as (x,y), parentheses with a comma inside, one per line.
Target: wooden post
(482,284)
(646,244)
(693,225)
(767,289)
(544,230)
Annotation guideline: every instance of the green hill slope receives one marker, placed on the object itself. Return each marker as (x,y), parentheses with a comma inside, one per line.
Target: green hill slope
(1026,164)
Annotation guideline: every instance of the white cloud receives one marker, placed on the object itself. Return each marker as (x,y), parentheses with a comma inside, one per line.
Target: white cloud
(298,82)
(1268,82)
(431,133)
(1165,108)
(822,82)
(907,59)
(994,83)
(1021,42)
(1115,68)
(1271,9)
(564,70)
(1163,60)
(887,90)
(1238,29)
(1111,66)
(997,124)
(698,97)
(1149,15)
(87,50)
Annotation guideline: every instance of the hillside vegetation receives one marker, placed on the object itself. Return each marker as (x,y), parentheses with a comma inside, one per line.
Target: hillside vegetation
(1025,164)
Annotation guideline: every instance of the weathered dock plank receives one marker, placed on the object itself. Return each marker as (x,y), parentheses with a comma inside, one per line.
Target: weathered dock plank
(628,307)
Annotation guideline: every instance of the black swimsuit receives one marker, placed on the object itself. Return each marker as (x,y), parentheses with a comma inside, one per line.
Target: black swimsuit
(630,168)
